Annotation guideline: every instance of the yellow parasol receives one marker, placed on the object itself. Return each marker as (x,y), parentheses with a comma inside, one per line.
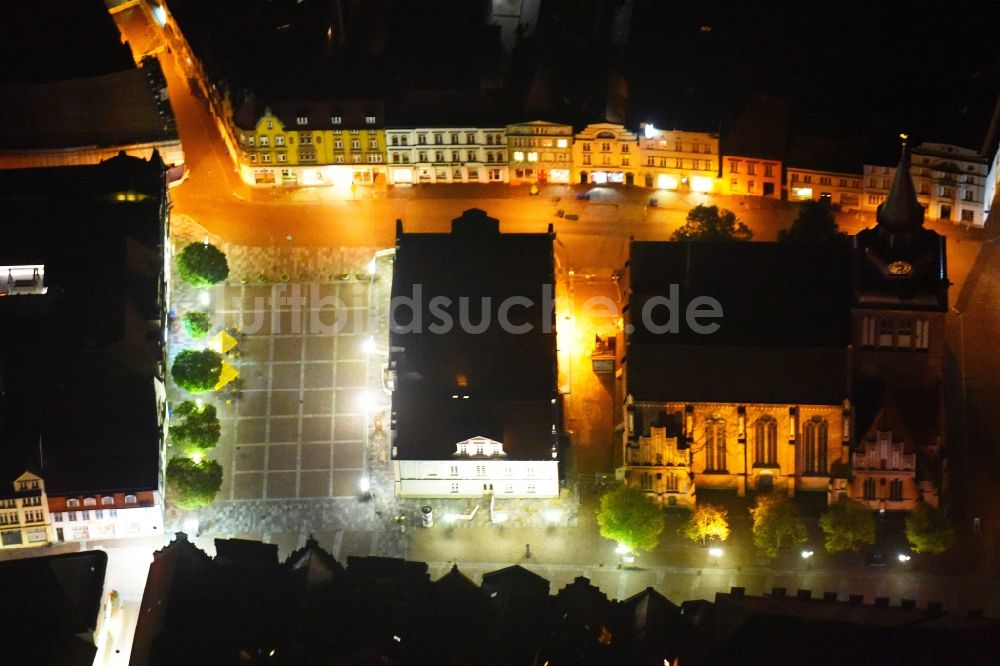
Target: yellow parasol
(221,342)
(228,374)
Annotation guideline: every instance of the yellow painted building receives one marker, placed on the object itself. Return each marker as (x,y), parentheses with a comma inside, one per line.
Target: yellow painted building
(316,143)
(24,514)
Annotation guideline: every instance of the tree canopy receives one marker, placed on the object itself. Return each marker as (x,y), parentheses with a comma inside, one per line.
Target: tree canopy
(196,324)
(847,525)
(928,530)
(198,429)
(815,223)
(706,522)
(776,525)
(195,483)
(202,264)
(708,223)
(197,371)
(630,517)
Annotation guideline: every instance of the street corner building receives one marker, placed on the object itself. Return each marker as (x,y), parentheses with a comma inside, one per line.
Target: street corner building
(821,371)
(83,283)
(476,409)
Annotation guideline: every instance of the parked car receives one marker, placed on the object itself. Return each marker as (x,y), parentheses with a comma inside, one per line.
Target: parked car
(583,196)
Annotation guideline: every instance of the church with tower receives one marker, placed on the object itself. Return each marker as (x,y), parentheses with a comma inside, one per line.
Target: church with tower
(823,375)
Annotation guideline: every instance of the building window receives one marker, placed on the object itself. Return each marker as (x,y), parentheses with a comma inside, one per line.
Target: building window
(531,489)
(886,331)
(369,120)
(671,483)
(896,490)
(922,338)
(750,186)
(305,139)
(130,499)
(89,501)
(302,120)
(715,445)
(454,487)
(372,144)
(338,145)
(904,334)
(73,503)
(281,157)
(646,481)
(769,171)
(824,180)
(438,139)
(265,141)
(734,184)
(355,145)
(336,120)
(107,501)
(279,140)
(869,489)
(453,470)
(814,444)
(480,470)
(751,168)
(266,157)
(508,488)
(734,166)
(766,441)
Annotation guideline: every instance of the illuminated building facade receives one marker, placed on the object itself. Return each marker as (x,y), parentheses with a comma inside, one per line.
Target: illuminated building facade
(540,152)
(841,189)
(311,143)
(678,160)
(24,513)
(476,411)
(447,155)
(756,397)
(951,183)
(606,153)
(752,176)
(901,287)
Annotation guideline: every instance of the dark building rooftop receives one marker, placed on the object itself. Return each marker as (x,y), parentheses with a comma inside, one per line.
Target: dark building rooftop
(445,108)
(51,604)
(384,610)
(784,306)
(117,109)
(53,40)
(78,362)
(509,378)
(353,114)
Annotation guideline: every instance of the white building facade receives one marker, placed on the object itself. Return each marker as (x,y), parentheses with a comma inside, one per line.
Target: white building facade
(447,155)
(678,160)
(479,468)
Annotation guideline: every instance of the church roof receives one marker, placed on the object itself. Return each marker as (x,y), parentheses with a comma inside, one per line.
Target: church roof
(901,211)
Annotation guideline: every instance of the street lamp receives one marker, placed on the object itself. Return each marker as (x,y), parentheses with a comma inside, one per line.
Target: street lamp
(715,553)
(806,554)
(903,557)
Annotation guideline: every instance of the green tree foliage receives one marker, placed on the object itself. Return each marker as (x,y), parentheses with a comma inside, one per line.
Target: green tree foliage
(198,429)
(706,522)
(196,324)
(708,223)
(195,484)
(202,264)
(847,525)
(815,223)
(631,518)
(197,371)
(776,525)
(928,530)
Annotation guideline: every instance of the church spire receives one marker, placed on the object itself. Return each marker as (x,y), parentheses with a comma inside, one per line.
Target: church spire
(901,212)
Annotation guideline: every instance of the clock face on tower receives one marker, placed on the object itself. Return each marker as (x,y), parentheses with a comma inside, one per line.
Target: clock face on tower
(900,268)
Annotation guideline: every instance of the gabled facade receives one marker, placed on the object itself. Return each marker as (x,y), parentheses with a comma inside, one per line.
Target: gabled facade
(24,513)
(605,153)
(338,143)
(462,154)
(540,152)
(677,160)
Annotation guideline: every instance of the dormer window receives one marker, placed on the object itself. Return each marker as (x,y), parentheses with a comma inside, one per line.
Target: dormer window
(301,120)
(130,499)
(73,503)
(369,120)
(336,120)
(89,501)
(107,501)
(480,446)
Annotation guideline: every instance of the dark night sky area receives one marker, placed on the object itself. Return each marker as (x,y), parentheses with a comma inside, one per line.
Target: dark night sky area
(932,69)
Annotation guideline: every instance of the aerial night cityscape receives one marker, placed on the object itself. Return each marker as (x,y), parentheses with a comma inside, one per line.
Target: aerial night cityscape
(502,332)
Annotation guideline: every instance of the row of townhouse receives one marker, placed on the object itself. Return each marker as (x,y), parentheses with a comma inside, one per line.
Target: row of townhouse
(31,517)
(349,144)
